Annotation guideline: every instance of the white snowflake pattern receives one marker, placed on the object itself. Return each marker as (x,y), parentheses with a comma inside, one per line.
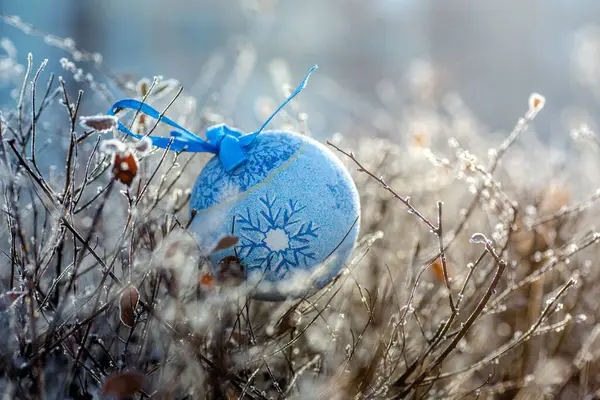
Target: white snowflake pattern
(274,239)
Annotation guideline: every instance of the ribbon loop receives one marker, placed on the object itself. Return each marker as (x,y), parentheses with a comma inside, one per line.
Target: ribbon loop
(228,143)
(232,154)
(226,139)
(180,140)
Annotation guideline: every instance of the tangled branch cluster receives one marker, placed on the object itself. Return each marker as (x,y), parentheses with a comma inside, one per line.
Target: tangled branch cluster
(481,284)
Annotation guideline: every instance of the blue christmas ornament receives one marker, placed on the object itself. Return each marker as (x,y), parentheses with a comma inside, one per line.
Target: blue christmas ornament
(289,200)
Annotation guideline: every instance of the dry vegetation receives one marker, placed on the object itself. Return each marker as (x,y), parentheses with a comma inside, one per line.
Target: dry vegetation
(481,284)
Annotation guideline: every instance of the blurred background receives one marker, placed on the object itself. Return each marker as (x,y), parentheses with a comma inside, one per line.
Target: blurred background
(491,54)
(420,73)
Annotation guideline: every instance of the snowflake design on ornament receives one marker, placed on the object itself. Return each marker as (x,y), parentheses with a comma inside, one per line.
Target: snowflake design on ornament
(274,238)
(343,200)
(268,152)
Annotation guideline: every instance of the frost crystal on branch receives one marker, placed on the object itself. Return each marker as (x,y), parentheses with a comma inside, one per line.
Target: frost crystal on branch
(99,123)
(536,102)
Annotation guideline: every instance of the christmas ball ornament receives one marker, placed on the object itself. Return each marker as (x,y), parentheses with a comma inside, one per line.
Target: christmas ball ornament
(287,198)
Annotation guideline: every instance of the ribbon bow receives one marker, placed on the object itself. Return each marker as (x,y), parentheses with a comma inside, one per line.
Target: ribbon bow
(228,143)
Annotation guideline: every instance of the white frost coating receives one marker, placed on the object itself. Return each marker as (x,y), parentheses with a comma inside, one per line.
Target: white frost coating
(479,238)
(99,123)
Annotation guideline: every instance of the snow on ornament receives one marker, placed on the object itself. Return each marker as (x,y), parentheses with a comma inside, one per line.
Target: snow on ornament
(289,200)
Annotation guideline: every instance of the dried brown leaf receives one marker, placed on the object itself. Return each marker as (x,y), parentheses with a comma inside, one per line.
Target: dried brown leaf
(225,242)
(437,270)
(207,280)
(230,271)
(124,384)
(128,303)
(99,123)
(125,167)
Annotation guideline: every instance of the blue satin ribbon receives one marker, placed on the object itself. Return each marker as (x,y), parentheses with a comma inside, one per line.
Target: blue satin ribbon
(228,143)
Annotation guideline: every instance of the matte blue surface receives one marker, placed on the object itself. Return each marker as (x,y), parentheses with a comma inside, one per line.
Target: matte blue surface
(265,154)
(293,206)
